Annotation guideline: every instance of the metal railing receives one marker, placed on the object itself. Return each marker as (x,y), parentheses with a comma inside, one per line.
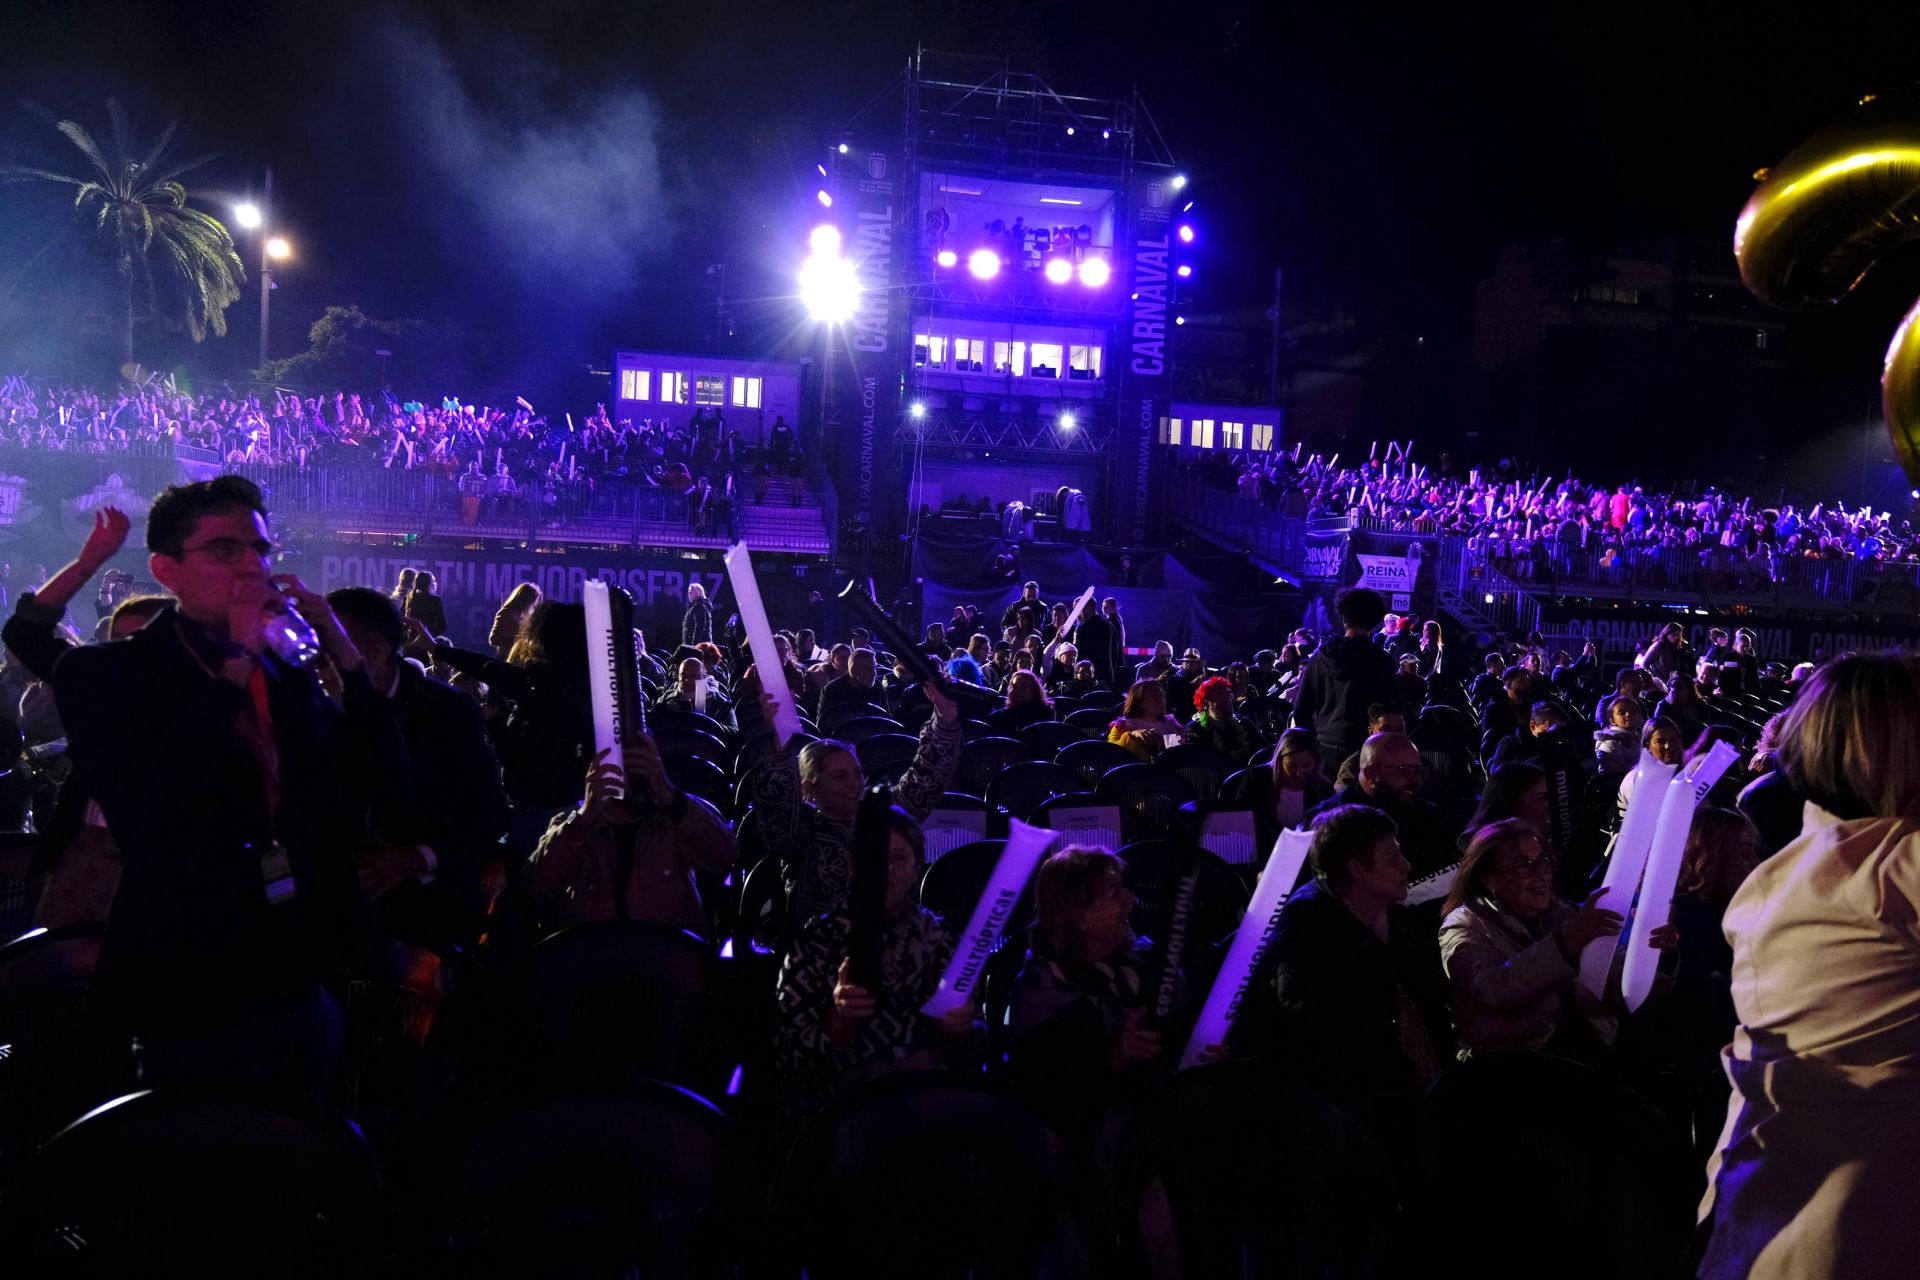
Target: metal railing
(1238,522)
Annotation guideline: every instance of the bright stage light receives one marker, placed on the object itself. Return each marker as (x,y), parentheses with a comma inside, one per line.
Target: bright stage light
(1179,319)
(916,411)
(825,240)
(1183,270)
(824,197)
(1105,134)
(1187,207)
(1094,272)
(1069,131)
(822,168)
(984,263)
(829,288)
(843,148)
(1179,181)
(1059,270)
(1186,234)
(946,257)
(1066,420)
(278,248)
(247,215)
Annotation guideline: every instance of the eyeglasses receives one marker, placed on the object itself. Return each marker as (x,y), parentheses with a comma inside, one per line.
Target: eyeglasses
(1533,868)
(232,550)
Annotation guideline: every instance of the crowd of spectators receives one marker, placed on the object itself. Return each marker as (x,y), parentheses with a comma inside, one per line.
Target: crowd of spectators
(405,884)
(1529,522)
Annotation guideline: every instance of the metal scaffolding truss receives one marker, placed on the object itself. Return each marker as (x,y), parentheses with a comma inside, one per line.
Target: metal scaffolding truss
(1012,437)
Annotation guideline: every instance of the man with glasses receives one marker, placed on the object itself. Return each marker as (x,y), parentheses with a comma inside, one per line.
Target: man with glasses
(1391,775)
(237,792)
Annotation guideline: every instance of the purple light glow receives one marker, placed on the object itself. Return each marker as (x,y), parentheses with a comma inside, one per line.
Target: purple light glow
(946,257)
(825,240)
(1186,234)
(984,263)
(1095,273)
(1059,270)
(1183,271)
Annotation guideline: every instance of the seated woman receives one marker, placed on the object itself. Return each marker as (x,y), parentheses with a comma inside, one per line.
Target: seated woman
(1511,950)
(631,857)
(1517,790)
(1616,746)
(1144,727)
(1663,741)
(1026,704)
(1292,786)
(1081,1041)
(832,1034)
(1215,725)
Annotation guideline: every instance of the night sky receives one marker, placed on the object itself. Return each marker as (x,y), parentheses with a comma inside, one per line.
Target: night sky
(564,173)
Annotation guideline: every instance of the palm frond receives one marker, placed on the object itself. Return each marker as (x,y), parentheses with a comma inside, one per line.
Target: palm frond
(159,147)
(122,139)
(83,141)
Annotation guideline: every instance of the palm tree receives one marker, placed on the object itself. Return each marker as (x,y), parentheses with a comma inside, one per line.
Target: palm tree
(129,198)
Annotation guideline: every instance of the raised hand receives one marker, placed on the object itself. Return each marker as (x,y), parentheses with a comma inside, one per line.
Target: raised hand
(108,535)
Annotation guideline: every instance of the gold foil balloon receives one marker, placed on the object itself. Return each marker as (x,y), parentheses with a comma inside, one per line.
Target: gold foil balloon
(1825,214)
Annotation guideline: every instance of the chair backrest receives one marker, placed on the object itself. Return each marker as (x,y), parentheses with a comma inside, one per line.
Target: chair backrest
(1325,1210)
(1202,766)
(680,740)
(19,887)
(988,1182)
(1151,794)
(860,728)
(161,1184)
(846,712)
(658,718)
(1095,720)
(1021,789)
(699,776)
(1093,758)
(945,829)
(1084,820)
(44,976)
(762,923)
(983,759)
(622,996)
(884,753)
(951,886)
(1051,735)
(642,1184)
(1219,898)
(1227,831)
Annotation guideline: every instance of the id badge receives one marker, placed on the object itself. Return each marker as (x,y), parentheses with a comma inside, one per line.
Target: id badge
(276,872)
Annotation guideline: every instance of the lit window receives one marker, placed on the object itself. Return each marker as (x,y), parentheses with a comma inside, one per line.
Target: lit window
(636,384)
(1262,437)
(1760,339)
(1169,431)
(673,388)
(1010,357)
(970,355)
(1043,360)
(1231,434)
(936,352)
(709,388)
(1203,433)
(746,393)
(1084,361)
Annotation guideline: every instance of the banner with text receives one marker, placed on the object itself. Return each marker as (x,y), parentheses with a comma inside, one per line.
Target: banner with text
(1403,569)
(1621,633)
(1144,265)
(869,211)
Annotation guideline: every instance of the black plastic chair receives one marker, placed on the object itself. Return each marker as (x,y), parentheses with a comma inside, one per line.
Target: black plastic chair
(952,886)
(1106,829)
(152,1183)
(1092,759)
(19,887)
(52,1071)
(1095,720)
(1204,767)
(678,740)
(955,820)
(1269,717)
(761,923)
(642,1185)
(844,713)
(658,718)
(884,757)
(984,759)
(699,776)
(860,728)
(1050,735)
(617,1001)
(1022,788)
(1325,1210)
(971,730)
(977,1157)
(1219,897)
(1150,794)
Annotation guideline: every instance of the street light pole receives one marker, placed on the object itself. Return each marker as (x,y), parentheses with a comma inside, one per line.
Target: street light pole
(266,263)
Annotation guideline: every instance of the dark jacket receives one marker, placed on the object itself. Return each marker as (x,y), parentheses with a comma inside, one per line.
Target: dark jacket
(429,610)
(696,624)
(1344,677)
(1098,642)
(191,940)
(1326,1005)
(544,743)
(1423,835)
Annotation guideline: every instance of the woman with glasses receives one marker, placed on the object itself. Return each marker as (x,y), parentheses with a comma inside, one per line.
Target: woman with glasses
(1511,949)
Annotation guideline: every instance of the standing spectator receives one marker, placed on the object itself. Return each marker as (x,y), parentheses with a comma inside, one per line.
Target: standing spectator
(426,608)
(1345,676)
(696,624)
(1097,641)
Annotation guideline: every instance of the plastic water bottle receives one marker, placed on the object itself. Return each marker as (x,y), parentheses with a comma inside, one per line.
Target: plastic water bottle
(290,637)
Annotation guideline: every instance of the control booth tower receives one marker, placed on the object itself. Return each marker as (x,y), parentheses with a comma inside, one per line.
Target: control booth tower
(1013,255)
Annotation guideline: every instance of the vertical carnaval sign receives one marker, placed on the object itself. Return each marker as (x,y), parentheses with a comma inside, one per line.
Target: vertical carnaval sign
(870,207)
(1145,254)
